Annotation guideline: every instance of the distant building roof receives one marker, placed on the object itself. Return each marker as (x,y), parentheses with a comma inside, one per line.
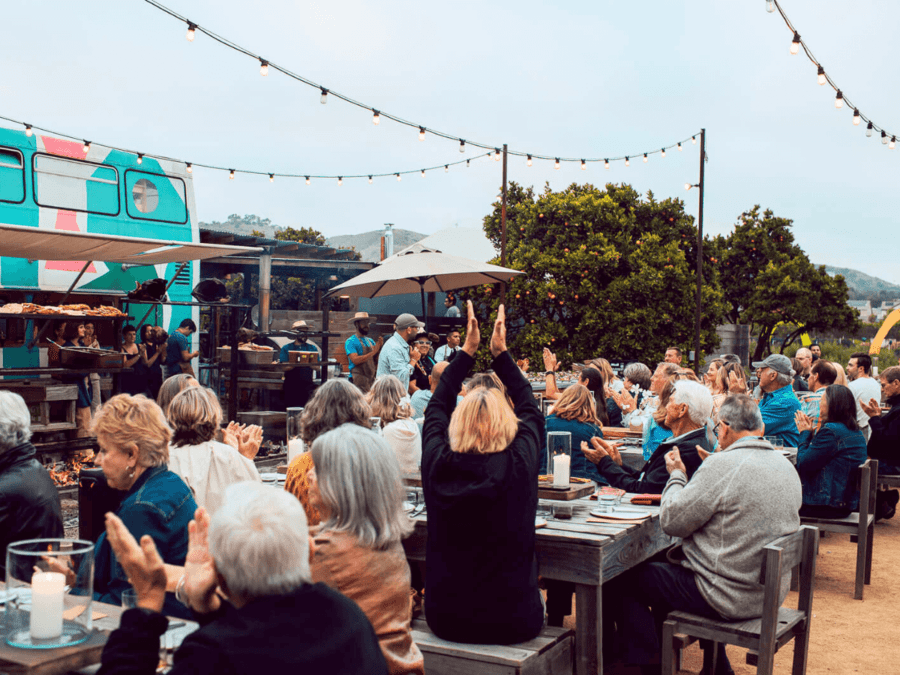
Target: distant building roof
(860,304)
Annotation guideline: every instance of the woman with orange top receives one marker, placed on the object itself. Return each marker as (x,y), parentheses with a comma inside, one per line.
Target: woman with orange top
(335,403)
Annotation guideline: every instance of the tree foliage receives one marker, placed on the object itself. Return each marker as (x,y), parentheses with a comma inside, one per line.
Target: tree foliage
(303,235)
(606,272)
(769,280)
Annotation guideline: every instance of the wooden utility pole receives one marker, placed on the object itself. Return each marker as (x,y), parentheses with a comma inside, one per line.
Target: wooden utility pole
(699,256)
(503,229)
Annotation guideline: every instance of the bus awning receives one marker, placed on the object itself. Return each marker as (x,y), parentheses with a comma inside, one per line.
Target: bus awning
(33,243)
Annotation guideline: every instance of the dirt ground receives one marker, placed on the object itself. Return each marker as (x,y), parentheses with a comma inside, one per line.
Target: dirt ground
(847,635)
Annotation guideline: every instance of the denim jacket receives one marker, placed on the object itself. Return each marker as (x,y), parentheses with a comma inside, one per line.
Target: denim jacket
(581,431)
(826,462)
(159,504)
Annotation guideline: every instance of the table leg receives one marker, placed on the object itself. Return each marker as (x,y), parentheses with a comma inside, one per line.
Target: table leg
(588,629)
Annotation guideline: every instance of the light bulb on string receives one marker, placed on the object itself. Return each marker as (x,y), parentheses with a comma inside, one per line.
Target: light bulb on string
(28,130)
(645,158)
(340,180)
(528,161)
(263,67)
(271,177)
(688,186)
(190,31)
(556,164)
(462,145)
(583,165)
(606,163)
(307,180)
(680,148)
(324,99)
(694,140)
(231,174)
(446,168)
(770,6)
(839,100)
(376,117)
(421,133)
(87,147)
(423,173)
(190,167)
(893,143)
(628,161)
(140,158)
(821,76)
(856,117)
(398,177)
(496,154)
(869,130)
(662,152)
(467,164)
(795,43)
(370,180)
(884,138)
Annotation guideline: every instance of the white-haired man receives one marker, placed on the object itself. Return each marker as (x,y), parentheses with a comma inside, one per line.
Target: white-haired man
(740,500)
(255,551)
(687,412)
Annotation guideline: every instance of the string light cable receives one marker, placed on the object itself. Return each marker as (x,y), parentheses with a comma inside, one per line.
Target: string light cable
(378,114)
(30,129)
(823,78)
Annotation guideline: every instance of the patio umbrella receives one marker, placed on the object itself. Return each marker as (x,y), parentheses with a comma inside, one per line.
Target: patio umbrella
(423,270)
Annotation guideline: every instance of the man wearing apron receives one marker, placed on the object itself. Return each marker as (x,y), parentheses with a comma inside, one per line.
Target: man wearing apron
(362,352)
(298,382)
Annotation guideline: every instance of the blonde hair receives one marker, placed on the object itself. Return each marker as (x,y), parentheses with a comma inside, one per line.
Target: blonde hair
(195,415)
(136,420)
(483,423)
(605,369)
(841,375)
(577,403)
(384,400)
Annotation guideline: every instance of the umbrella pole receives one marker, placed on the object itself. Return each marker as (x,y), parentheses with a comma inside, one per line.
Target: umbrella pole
(422,291)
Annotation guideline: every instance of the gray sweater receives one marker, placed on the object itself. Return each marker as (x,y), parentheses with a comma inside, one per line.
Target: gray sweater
(739,500)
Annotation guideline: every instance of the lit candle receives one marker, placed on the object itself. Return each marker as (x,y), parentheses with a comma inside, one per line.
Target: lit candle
(295,447)
(47,590)
(561,466)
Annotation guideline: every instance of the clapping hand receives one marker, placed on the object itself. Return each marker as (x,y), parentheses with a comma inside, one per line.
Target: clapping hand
(498,338)
(379,343)
(872,408)
(473,334)
(736,383)
(600,450)
(550,362)
(200,576)
(673,461)
(803,421)
(141,562)
(523,365)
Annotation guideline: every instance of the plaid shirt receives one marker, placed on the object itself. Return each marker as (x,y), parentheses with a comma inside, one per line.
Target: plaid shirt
(809,404)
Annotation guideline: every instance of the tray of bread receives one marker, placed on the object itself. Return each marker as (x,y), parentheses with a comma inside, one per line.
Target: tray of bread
(32,309)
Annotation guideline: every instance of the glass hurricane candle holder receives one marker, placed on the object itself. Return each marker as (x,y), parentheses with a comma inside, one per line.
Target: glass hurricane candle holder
(559,457)
(50,586)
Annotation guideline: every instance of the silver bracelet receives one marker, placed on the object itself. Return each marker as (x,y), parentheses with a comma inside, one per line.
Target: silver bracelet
(180,594)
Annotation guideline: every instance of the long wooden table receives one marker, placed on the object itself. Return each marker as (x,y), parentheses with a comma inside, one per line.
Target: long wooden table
(586,554)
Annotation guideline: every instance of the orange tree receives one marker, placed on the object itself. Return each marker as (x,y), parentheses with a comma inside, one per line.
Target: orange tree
(606,273)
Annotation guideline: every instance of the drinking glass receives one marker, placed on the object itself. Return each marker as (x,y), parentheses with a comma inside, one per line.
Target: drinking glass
(294,442)
(606,502)
(129,598)
(559,457)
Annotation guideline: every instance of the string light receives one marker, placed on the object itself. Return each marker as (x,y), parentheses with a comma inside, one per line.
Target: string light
(795,43)
(496,154)
(884,138)
(893,143)
(263,67)
(645,158)
(271,177)
(190,167)
(869,130)
(770,6)
(190,31)
(688,186)
(307,180)
(446,168)
(87,147)
(663,152)
(376,117)
(462,145)
(694,140)
(606,163)
(556,165)
(583,165)
(28,130)
(340,180)
(528,161)
(423,173)
(231,174)
(140,158)
(467,164)
(821,77)
(324,98)
(370,180)
(839,100)
(398,177)
(856,117)
(680,148)
(627,161)
(421,133)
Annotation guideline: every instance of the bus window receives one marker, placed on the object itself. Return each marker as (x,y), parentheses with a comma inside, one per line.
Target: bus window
(155,196)
(62,183)
(12,176)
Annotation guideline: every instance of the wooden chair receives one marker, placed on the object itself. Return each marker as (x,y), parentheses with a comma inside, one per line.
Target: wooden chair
(763,636)
(550,653)
(859,525)
(889,481)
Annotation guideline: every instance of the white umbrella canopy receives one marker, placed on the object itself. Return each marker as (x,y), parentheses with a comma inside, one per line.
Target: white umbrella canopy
(423,270)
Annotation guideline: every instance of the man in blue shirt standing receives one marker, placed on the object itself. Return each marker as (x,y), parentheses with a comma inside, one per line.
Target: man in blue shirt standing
(396,356)
(778,404)
(178,354)
(362,352)
(298,382)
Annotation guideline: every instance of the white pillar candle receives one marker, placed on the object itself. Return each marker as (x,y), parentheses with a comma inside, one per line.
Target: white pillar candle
(295,447)
(561,466)
(47,590)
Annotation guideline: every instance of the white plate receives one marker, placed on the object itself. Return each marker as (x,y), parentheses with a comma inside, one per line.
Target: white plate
(408,507)
(622,514)
(539,522)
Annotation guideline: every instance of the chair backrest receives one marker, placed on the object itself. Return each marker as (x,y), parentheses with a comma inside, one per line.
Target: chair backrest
(786,553)
(868,485)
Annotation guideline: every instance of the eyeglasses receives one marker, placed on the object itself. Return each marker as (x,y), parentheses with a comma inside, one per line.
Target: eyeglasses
(719,424)
(423,342)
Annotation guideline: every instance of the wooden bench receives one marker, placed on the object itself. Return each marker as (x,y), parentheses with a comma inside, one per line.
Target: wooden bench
(550,653)
(859,525)
(888,481)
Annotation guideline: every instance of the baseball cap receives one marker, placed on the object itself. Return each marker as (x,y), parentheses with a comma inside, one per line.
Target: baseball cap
(407,320)
(777,362)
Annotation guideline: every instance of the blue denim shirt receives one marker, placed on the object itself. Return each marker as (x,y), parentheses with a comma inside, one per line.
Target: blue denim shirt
(778,409)
(581,431)
(394,360)
(826,462)
(159,504)
(653,436)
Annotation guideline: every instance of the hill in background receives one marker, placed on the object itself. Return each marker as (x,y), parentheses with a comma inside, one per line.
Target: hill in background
(368,244)
(865,287)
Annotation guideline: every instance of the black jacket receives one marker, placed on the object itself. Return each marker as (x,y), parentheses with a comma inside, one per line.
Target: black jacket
(884,443)
(29,501)
(480,561)
(652,478)
(312,630)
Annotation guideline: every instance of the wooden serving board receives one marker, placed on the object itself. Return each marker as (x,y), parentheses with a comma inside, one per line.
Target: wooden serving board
(574,491)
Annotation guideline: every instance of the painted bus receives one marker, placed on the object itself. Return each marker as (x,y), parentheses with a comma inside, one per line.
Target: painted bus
(58,184)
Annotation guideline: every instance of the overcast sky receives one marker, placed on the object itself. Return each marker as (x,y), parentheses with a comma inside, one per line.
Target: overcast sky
(576,79)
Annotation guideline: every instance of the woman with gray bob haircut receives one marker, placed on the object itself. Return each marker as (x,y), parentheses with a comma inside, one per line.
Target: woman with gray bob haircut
(356,486)
(255,549)
(30,502)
